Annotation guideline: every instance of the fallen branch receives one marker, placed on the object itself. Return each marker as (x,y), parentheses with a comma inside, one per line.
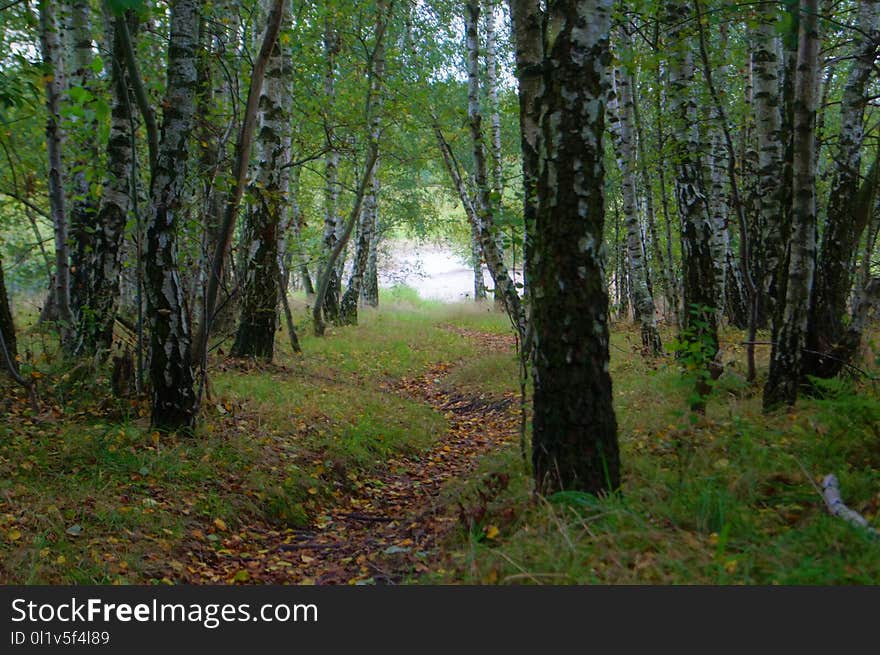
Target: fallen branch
(836,507)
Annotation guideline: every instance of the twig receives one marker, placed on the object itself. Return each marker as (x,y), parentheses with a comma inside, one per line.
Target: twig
(809,477)
(831,495)
(820,354)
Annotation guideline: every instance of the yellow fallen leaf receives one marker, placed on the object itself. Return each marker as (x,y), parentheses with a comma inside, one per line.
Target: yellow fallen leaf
(492,531)
(13,535)
(307,560)
(313,490)
(220,523)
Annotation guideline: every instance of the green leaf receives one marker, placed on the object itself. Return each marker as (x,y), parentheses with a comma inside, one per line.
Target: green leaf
(80,95)
(97,65)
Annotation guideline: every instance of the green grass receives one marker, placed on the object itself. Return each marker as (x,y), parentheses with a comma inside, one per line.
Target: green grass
(276,444)
(724,500)
(89,494)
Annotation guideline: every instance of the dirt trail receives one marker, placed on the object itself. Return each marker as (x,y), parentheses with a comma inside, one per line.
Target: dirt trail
(388,527)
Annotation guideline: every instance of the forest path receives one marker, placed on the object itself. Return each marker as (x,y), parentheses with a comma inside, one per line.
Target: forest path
(387,527)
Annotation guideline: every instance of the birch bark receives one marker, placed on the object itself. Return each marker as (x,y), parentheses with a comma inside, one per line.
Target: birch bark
(171,371)
(787,355)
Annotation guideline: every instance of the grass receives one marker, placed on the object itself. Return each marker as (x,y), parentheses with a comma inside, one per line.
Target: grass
(89,494)
(729,499)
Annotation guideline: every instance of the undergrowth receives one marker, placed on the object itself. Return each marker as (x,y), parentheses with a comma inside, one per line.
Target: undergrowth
(731,498)
(90,494)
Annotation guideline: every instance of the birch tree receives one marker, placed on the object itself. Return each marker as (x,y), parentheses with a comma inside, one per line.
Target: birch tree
(767,103)
(787,354)
(526,18)
(497,176)
(846,219)
(332,220)
(623,131)
(84,203)
(574,430)
(171,370)
(255,336)
(103,266)
(370,288)
(54,81)
(368,219)
(483,203)
(700,330)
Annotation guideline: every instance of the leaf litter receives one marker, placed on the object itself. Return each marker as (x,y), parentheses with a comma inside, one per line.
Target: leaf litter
(384,529)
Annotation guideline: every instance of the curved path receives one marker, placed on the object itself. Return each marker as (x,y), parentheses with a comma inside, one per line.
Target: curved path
(385,529)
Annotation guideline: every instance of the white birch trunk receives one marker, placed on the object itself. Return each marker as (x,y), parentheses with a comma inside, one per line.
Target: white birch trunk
(333,223)
(787,354)
(620,112)
(767,103)
(51,48)
(483,205)
(171,372)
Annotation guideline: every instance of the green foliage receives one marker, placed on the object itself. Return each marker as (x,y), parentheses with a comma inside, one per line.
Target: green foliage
(695,349)
(741,508)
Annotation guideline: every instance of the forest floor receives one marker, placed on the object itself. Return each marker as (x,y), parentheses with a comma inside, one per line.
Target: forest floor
(389,453)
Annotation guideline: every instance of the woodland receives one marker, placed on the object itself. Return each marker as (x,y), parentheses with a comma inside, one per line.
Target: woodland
(665,370)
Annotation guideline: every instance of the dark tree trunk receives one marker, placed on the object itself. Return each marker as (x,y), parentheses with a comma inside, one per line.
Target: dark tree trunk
(574,432)
(526,18)
(9,346)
